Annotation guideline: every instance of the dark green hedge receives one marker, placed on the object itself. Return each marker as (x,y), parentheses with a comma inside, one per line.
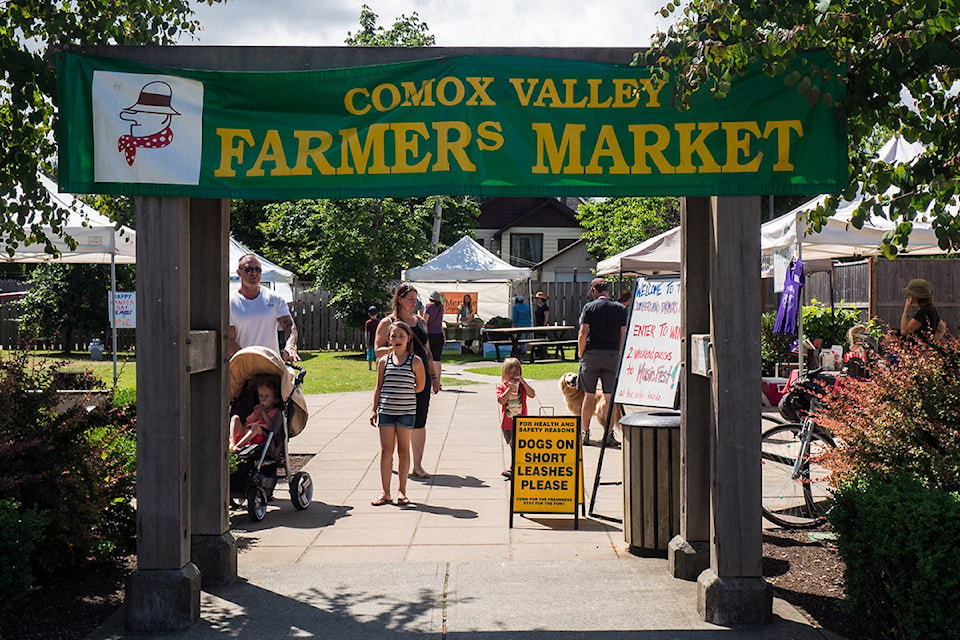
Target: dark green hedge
(900,541)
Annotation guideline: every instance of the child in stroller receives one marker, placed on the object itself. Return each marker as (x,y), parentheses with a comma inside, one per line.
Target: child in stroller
(262,419)
(251,369)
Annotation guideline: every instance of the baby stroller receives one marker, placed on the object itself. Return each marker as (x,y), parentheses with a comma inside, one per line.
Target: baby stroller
(256,475)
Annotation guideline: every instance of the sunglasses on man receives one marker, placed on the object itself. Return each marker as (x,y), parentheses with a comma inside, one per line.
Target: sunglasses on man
(253,269)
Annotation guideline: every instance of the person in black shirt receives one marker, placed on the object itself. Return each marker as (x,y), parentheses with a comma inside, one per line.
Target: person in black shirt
(602,325)
(541,317)
(926,323)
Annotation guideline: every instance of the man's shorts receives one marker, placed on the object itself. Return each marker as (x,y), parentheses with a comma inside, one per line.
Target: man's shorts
(371,354)
(598,364)
(404,421)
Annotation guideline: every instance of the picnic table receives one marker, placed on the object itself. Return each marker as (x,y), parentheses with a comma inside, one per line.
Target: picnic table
(511,337)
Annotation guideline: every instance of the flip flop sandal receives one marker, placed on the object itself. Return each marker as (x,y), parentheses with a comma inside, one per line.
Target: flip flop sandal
(382,500)
(420,475)
(403,502)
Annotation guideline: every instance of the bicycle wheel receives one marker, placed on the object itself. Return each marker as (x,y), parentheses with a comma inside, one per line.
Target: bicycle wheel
(795,496)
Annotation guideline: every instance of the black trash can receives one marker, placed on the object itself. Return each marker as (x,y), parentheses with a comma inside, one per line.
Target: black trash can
(651,480)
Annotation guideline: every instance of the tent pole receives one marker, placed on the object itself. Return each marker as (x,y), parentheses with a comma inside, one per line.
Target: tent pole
(113,311)
(799,308)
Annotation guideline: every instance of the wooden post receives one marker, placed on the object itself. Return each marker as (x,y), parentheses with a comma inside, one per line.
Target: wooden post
(213,547)
(164,591)
(732,591)
(688,554)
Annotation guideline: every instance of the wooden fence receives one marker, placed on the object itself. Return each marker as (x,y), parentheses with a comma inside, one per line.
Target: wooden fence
(875,287)
(566,299)
(12,338)
(872,286)
(318,326)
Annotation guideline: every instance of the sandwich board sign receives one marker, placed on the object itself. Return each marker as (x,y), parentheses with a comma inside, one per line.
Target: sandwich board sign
(547,473)
(649,373)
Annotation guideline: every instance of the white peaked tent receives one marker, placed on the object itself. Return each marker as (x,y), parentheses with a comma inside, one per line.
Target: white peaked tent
(467,266)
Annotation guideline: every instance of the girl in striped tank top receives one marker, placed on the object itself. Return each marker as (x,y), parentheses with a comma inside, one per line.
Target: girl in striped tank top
(400,375)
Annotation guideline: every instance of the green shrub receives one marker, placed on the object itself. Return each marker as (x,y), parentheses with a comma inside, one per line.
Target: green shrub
(774,347)
(899,539)
(497,322)
(896,470)
(75,468)
(22,531)
(828,324)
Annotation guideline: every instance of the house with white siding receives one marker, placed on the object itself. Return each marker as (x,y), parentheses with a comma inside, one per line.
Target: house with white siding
(531,232)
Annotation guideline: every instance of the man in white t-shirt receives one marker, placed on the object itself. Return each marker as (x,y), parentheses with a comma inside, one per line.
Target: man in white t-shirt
(256,311)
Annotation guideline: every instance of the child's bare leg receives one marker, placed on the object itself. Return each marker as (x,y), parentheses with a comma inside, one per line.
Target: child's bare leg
(403,453)
(388,442)
(236,429)
(252,432)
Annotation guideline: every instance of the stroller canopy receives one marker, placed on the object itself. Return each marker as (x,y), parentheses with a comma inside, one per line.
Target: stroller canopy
(254,361)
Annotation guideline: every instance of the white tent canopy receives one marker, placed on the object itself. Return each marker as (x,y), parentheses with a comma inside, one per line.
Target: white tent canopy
(837,239)
(98,239)
(468,267)
(659,253)
(98,242)
(466,260)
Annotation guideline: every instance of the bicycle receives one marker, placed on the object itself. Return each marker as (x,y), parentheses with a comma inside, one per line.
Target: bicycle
(795,483)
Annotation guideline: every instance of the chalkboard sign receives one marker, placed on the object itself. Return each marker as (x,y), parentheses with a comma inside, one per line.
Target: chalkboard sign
(649,372)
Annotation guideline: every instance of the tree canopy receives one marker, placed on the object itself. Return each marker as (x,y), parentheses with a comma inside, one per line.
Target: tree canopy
(902,61)
(616,224)
(356,248)
(407,31)
(30,32)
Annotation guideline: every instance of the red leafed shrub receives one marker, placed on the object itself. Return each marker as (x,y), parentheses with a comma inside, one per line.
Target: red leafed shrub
(905,418)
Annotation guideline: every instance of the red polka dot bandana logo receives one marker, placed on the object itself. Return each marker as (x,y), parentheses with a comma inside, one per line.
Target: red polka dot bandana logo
(154,101)
(147,128)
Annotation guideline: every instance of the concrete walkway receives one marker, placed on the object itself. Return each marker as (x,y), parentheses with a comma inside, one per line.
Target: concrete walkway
(449,566)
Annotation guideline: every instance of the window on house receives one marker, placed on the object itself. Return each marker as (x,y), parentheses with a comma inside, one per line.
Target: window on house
(526,249)
(563,243)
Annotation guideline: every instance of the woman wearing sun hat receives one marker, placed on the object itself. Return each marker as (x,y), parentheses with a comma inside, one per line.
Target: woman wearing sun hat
(926,322)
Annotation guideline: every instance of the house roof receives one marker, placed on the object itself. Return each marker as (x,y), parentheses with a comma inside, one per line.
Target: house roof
(504,213)
(573,246)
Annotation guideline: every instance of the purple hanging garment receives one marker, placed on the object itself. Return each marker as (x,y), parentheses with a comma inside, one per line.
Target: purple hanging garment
(790,299)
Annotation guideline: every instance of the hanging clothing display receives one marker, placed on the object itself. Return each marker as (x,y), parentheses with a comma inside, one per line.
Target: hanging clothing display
(786,322)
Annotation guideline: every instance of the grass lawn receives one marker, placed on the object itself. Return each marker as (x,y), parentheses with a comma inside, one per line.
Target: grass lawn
(327,371)
(545,371)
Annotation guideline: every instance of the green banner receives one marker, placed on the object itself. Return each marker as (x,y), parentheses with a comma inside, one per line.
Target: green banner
(479,125)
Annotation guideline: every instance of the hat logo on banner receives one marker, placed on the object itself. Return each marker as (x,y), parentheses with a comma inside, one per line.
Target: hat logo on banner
(149,120)
(134,112)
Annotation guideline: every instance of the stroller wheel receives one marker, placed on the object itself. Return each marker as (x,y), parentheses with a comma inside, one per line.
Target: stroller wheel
(301,490)
(257,503)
